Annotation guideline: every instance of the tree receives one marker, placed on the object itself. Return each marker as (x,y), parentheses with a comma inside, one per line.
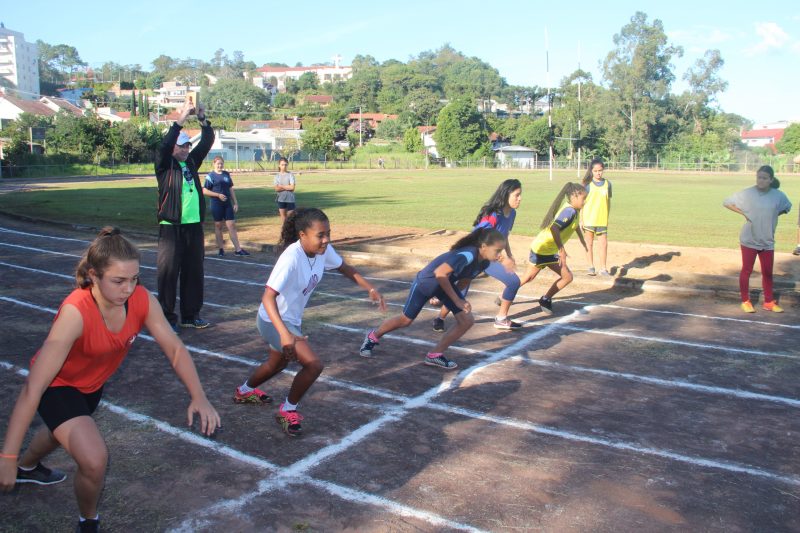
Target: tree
(459,130)
(56,62)
(534,134)
(307,81)
(389,129)
(790,142)
(18,134)
(412,140)
(318,138)
(235,99)
(704,85)
(639,75)
(84,136)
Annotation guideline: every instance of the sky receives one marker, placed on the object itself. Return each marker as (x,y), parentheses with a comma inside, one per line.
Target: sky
(760,43)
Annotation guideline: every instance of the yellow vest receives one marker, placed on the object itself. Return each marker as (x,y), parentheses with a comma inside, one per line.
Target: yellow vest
(544,244)
(595,210)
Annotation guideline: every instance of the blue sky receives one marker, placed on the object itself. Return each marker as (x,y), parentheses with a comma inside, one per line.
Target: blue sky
(760,43)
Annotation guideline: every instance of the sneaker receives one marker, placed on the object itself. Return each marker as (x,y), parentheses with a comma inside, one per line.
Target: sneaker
(441,361)
(92,525)
(197,323)
(176,328)
(605,273)
(368,345)
(506,323)
(41,475)
(254,396)
(773,306)
(438,324)
(547,305)
(221,253)
(289,421)
(747,307)
(796,251)
(241,253)
(592,271)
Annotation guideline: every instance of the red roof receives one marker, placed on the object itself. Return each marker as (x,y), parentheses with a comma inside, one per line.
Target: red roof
(375,117)
(319,98)
(426,129)
(123,114)
(268,69)
(766,133)
(33,107)
(244,125)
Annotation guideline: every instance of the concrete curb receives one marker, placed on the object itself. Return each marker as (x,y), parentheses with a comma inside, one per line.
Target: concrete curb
(382,255)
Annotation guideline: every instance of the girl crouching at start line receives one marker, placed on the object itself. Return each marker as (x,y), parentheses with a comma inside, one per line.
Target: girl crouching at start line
(307,253)
(467,258)
(547,248)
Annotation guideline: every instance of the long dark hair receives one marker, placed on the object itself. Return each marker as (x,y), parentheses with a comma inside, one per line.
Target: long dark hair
(566,192)
(587,178)
(498,200)
(108,246)
(299,220)
(478,237)
(766,169)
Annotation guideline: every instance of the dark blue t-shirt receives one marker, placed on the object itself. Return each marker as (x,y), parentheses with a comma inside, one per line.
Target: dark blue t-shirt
(465,262)
(498,221)
(219,183)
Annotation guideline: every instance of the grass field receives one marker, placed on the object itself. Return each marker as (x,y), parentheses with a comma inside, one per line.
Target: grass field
(653,207)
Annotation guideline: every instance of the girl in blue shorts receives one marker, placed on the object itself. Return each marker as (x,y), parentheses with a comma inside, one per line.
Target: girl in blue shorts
(219,187)
(498,213)
(547,248)
(467,258)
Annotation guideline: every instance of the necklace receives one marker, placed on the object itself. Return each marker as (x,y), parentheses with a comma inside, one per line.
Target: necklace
(310,262)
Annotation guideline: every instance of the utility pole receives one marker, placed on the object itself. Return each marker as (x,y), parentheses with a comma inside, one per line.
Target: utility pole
(360,127)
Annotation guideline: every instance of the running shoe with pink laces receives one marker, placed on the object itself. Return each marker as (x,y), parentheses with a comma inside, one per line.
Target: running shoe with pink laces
(289,421)
(254,396)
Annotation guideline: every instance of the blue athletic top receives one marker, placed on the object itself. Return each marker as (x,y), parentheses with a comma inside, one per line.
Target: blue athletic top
(498,221)
(219,183)
(465,262)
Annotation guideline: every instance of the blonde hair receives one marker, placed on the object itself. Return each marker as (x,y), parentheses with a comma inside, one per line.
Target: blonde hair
(108,246)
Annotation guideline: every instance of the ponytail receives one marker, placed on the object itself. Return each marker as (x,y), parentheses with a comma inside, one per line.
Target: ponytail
(109,245)
(769,171)
(299,220)
(499,200)
(566,192)
(479,237)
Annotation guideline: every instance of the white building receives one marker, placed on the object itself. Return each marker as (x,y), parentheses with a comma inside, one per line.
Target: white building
(516,157)
(254,145)
(19,66)
(324,73)
(173,94)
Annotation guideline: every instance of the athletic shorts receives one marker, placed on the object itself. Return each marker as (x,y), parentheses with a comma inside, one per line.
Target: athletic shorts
(543,260)
(271,335)
(597,230)
(59,404)
(222,211)
(417,299)
(289,206)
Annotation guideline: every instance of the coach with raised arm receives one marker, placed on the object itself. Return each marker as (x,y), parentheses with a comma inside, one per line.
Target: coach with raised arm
(181,209)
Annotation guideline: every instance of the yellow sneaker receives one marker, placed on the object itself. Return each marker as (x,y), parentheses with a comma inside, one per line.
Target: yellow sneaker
(773,306)
(747,307)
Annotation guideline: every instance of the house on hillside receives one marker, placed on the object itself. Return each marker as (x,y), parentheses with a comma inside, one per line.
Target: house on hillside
(173,94)
(765,135)
(428,143)
(324,73)
(111,115)
(61,104)
(281,124)
(260,144)
(370,120)
(322,100)
(513,156)
(12,107)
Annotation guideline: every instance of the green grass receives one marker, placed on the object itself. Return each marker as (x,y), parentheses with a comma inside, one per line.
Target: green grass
(652,207)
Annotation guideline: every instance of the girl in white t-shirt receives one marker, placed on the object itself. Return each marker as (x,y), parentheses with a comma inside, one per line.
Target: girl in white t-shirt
(307,253)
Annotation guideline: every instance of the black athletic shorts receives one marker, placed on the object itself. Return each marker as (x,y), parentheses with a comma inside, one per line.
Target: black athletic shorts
(59,404)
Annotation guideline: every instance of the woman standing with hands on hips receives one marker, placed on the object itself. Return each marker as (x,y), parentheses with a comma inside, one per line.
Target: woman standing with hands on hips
(90,336)
(594,215)
(284,184)
(224,206)
(760,205)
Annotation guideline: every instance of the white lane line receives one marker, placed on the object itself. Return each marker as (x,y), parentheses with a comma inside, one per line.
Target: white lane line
(479,291)
(661,382)
(279,478)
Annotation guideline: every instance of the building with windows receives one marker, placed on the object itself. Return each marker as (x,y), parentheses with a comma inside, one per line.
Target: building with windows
(277,77)
(19,65)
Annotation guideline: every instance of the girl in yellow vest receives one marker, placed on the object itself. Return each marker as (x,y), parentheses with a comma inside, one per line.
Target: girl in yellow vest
(547,248)
(594,216)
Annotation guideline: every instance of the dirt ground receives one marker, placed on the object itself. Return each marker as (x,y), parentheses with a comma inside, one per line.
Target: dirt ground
(625,411)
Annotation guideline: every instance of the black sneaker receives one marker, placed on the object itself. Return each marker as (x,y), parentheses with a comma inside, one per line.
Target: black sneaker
(547,305)
(367,346)
(91,525)
(241,252)
(197,323)
(221,253)
(438,324)
(41,475)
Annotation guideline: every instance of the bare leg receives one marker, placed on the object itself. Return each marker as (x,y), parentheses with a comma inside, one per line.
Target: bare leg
(588,236)
(218,234)
(42,444)
(530,274)
(233,234)
(312,368)
(505,306)
(464,321)
(274,364)
(602,244)
(565,278)
(82,440)
(391,324)
(282,214)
